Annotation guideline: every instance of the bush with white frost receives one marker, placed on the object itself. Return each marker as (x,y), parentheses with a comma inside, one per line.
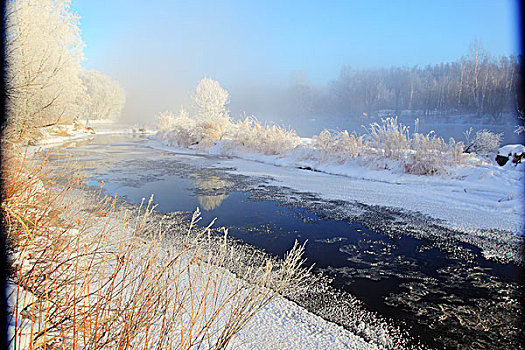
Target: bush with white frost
(390,138)
(431,154)
(485,143)
(266,139)
(415,153)
(178,130)
(339,145)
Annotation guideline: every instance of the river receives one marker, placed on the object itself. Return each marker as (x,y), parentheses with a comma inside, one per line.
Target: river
(444,293)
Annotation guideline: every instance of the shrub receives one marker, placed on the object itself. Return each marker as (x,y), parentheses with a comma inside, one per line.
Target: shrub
(266,139)
(417,153)
(390,138)
(485,143)
(431,155)
(180,130)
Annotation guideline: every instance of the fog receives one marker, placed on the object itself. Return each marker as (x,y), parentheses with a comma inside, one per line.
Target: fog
(279,103)
(309,66)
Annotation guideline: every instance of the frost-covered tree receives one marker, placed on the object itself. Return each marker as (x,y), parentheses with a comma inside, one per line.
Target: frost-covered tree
(43,54)
(211,115)
(211,100)
(104,98)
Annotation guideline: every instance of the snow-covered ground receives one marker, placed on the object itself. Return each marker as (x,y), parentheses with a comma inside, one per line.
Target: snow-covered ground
(283,325)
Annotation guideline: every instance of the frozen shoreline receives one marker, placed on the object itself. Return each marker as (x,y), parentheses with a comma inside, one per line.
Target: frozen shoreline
(480,201)
(474,202)
(281,324)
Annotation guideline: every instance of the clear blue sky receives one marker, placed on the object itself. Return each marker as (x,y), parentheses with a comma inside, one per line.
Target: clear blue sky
(156,43)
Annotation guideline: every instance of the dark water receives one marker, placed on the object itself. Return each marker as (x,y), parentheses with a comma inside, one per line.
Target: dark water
(446,301)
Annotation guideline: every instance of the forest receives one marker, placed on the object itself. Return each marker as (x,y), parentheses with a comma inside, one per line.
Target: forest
(477,84)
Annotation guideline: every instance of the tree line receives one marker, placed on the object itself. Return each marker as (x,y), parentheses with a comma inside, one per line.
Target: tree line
(478,84)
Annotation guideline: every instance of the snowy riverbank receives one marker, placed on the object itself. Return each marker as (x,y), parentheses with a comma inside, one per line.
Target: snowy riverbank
(281,324)
(482,201)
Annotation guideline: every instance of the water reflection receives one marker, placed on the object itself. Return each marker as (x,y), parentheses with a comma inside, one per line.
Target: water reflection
(213,190)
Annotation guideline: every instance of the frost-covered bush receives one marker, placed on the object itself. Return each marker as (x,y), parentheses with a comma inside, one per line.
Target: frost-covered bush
(180,129)
(431,154)
(415,153)
(165,121)
(266,139)
(338,145)
(485,143)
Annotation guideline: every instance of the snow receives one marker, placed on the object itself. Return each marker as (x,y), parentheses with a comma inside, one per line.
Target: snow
(509,150)
(284,325)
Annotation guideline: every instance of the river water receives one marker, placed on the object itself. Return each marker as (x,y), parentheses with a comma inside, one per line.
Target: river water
(444,295)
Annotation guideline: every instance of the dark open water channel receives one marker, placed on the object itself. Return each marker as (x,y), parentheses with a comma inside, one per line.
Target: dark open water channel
(444,300)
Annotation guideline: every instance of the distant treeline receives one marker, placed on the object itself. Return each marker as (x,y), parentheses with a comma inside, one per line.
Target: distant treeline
(477,84)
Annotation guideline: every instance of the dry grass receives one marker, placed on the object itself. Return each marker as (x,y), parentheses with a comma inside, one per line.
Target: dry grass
(88,275)
(265,139)
(339,145)
(415,153)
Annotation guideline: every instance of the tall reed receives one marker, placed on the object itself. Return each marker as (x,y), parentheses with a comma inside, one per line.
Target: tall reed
(88,274)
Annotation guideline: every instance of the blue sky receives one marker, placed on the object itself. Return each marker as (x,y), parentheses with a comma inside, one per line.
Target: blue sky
(162,44)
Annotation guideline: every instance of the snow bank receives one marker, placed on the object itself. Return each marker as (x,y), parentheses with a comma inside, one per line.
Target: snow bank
(65,133)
